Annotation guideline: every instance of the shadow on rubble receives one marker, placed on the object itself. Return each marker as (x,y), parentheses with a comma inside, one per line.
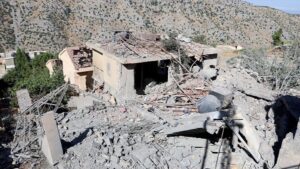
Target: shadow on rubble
(286,116)
(66,145)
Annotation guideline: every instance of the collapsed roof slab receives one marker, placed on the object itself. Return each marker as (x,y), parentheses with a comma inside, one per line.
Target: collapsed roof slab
(148,51)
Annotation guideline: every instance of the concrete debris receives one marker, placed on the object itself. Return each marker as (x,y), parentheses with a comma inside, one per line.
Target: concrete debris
(175,124)
(51,145)
(209,70)
(24,100)
(82,101)
(196,69)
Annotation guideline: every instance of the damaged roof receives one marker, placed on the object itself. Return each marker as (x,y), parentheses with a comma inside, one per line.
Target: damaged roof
(81,57)
(128,48)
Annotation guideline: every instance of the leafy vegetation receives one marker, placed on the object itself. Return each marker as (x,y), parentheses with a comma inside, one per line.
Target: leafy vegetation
(32,74)
(277,38)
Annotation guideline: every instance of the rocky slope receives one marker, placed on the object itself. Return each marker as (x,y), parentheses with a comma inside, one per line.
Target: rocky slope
(54,24)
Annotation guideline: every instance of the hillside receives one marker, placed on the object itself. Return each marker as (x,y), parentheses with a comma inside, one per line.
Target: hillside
(54,24)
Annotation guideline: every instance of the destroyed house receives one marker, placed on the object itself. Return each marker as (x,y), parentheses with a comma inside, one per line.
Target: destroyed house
(131,61)
(77,66)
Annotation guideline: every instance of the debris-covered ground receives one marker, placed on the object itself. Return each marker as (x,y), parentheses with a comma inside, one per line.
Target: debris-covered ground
(238,123)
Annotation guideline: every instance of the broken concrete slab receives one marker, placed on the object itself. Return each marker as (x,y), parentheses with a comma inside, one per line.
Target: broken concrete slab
(143,153)
(259,92)
(51,145)
(196,123)
(188,141)
(82,101)
(24,100)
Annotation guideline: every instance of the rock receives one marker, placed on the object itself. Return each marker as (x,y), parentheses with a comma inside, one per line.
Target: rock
(124,164)
(112,100)
(185,162)
(110,136)
(209,73)
(96,145)
(148,137)
(118,151)
(127,150)
(107,141)
(65,120)
(102,160)
(208,103)
(213,127)
(114,159)
(183,38)
(195,160)
(171,100)
(105,150)
(196,69)
(131,141)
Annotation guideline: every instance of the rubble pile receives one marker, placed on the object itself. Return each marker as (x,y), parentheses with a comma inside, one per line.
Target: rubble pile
(233,121)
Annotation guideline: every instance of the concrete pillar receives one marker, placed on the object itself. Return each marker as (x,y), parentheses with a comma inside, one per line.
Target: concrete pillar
(170,78)
(127,89)
(51,145)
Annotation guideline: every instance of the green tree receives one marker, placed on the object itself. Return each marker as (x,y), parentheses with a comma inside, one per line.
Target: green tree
(277,37)
(32,75)
(22,63)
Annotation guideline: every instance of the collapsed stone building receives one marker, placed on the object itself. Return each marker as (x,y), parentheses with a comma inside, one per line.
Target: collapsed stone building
(195,121)
(126,64)
(129,62)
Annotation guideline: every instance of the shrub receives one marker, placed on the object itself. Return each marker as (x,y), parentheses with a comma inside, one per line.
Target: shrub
(170,44)
(277,38)
(200,39)
(280,73)
(154,2)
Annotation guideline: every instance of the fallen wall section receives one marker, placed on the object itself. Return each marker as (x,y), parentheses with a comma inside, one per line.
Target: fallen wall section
(51,145)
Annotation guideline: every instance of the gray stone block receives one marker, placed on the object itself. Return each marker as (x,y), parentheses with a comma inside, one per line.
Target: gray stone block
(51,145)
